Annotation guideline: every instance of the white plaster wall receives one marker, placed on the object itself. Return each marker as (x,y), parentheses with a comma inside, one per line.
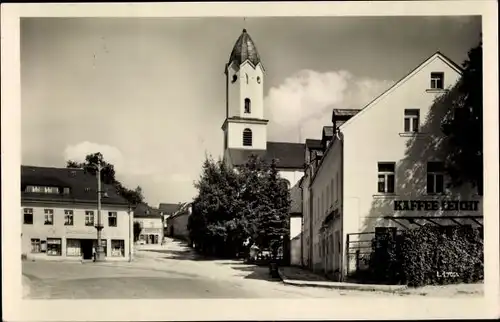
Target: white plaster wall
(326,189)
(295,252)
(239,90)
(375,136)
(291,175)
(77,231)
(295,226)
(235,135)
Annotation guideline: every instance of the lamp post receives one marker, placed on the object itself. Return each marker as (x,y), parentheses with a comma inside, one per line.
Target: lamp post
(100,256)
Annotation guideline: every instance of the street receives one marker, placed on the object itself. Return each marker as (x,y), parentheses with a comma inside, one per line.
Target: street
(169,271)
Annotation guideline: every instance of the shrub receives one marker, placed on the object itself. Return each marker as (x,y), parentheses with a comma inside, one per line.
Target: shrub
(429,255)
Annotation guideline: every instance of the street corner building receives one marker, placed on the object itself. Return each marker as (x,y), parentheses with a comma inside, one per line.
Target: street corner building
(151,222)
(59,216)
(381,169)
(245,128)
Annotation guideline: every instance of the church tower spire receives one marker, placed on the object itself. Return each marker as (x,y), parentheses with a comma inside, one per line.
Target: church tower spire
(245,126)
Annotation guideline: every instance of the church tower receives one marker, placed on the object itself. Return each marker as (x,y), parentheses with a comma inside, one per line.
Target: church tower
(245,126)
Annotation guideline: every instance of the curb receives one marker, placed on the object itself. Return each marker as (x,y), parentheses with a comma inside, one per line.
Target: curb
(345,286)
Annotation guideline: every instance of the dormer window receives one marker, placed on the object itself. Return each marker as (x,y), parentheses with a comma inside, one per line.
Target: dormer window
(437,80)
(42,189)
(247,137)
(247,105)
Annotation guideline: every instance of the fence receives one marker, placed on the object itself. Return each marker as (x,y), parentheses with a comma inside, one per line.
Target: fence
(358,252)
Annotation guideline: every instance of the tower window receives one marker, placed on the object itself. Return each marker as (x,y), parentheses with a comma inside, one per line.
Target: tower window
(247,137)
(247,105)
(235,77)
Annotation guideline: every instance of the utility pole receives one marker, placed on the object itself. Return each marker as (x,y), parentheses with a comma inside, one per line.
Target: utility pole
(100,256)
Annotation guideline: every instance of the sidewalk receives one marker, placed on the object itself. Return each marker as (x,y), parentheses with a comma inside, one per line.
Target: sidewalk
(301,277)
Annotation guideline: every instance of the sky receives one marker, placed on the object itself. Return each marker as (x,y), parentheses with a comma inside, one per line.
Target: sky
(149,93)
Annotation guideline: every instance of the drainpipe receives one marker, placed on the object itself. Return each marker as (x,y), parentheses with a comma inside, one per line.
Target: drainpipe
(130,236)
(344,255)
(311,237)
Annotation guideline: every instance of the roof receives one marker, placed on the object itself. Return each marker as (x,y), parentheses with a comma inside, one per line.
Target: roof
(244,49)
(183,209)
(342,114)
(289,155)
(83,186)
(143,210)
(296,199)
(313,144)
(169,208)
(328,131)
(438,54)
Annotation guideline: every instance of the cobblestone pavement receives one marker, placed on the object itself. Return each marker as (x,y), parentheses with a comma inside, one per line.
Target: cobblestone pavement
(171,271)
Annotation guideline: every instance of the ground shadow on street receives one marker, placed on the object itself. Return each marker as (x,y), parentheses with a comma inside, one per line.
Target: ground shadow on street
(255,272)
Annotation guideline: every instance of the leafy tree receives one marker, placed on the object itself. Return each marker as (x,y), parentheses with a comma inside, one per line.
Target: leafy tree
(464,124)
(232,206)
(137,231)
(108,176)
(273,220)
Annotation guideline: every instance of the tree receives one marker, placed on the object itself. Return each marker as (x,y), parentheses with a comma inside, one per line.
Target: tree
(137,231)
(134,197)
(463,124)
(273,220)
(233,206)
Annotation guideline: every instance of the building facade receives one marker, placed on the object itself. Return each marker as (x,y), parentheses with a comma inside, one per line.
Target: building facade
(383,170)
(151,223)
(59,215)
(178,222)
(167,210)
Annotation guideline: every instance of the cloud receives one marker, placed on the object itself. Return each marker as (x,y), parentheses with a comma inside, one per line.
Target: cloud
(79,151)
(303,103)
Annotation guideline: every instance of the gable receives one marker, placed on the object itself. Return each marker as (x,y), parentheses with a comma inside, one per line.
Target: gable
(437,62)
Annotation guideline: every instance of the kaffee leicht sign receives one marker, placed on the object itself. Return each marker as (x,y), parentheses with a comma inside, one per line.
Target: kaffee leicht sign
(435,205)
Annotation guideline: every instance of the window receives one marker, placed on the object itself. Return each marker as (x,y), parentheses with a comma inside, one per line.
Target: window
(112,219)
(28,216)
(35,245)
(247,105)
(42,189)
(66,191)
(54,246)
(338,186)
(73,247)
(49,216)
(118,248)
(333,189)
(328,199)
(247,137)
(386,177)
(437,80)
(435,177)
(412,120)
(89,218)
(68,217)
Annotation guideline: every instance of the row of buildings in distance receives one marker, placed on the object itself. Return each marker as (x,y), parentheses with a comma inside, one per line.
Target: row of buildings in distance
(59,215)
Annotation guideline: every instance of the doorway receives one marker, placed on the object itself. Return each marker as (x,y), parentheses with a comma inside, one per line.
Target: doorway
(86,245)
